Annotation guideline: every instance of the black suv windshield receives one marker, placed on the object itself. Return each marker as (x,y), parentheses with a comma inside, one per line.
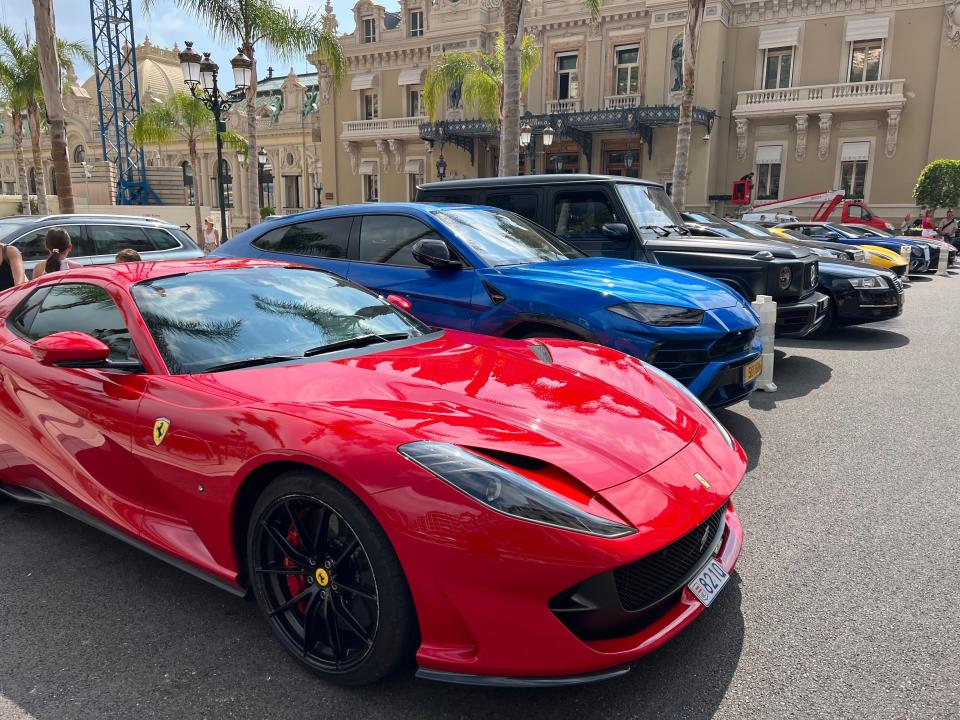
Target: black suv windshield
(649,205)
(502,238)
(218,319)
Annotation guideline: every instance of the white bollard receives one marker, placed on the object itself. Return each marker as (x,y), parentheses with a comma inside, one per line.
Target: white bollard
(766,308)
(905,254)
(944,259)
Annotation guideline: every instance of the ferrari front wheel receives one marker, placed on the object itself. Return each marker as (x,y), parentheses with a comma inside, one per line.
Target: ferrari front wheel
(328,581)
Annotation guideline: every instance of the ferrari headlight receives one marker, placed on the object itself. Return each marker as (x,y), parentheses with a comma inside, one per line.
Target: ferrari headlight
(507,492)
(727,437)
(659,315)
(869,283)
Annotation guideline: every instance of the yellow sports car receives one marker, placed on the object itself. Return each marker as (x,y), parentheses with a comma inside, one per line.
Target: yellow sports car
(872,254)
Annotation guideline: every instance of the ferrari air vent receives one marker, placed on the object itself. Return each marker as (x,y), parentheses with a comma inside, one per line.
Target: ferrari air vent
(542,352)
(495,295)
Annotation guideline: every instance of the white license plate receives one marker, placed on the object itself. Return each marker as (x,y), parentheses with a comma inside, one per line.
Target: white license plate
(709,582)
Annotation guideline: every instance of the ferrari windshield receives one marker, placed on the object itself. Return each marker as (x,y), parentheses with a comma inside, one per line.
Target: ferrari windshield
(502,238)
(221,319)
(861,231)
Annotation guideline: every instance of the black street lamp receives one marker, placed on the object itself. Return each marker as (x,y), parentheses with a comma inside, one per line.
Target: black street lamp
(264,178)
(526,142)
(441,163)
(202,71)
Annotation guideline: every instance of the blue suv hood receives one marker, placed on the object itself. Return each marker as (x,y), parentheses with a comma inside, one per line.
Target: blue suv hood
(630,281)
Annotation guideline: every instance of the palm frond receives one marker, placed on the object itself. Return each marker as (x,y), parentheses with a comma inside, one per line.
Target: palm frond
(593,7)
(448,71)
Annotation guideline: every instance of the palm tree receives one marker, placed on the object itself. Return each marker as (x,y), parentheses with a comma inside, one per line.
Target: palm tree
(247,23)
(185,117)
(20,76)
(480,77)
(691,46)
(16,110)
(51,82)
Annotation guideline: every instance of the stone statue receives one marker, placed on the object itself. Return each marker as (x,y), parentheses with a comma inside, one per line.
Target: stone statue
(676,62)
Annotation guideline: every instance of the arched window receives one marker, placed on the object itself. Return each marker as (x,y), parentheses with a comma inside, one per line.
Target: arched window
(227,184)
(32,180)
(79,154)
(676,64)
(187,169)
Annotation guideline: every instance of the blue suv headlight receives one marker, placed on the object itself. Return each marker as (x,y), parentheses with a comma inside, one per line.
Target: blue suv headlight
(659,315)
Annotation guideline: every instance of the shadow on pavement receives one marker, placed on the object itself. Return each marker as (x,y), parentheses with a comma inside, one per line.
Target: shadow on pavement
(920,278)
(746,433)
(98,629)
(857,337)
(795,376)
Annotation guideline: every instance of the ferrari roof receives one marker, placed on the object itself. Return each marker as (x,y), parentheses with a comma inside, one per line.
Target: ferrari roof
(132,273)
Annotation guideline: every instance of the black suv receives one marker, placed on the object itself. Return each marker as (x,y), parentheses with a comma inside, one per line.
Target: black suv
(635,219)
(97,239)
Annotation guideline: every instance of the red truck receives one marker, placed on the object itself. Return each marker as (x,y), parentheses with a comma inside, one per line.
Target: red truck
(851,211)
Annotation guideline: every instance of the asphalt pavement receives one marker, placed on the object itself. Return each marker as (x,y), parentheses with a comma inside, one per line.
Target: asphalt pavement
(844,604)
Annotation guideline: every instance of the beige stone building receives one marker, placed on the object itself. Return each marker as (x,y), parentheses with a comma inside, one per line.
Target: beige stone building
(807,95)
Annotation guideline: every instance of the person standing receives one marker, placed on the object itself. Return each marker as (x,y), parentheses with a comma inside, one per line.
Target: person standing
(11,267)
(927,220)
(906,224)
(211,236)
(950,228)
(58,244)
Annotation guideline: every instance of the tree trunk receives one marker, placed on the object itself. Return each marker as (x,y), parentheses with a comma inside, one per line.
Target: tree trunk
(510,112)
(253,188)
(33,117)
(195,164)
(50,81)
(18,160)
(691,46)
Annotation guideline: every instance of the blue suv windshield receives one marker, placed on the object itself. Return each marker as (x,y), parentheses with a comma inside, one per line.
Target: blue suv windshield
(502,238)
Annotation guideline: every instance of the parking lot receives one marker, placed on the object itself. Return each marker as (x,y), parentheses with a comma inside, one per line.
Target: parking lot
(843,606)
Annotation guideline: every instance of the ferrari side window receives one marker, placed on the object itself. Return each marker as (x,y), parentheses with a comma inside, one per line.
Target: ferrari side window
(22,317)
(84,308)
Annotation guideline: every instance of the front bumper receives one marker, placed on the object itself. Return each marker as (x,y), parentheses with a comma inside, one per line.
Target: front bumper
(802,317)
(858,307)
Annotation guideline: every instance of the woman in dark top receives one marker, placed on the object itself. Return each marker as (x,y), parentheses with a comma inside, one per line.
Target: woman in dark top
(11,267)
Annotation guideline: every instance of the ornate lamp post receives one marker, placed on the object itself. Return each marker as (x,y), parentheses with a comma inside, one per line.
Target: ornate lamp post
(200,75)
(441,163)
(548,134)
(526,142)
(628,161)
(264,177)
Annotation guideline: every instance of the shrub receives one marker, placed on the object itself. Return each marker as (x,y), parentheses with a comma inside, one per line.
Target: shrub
(938,185)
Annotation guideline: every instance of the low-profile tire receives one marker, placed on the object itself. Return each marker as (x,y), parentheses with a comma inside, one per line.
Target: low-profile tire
(337,601)
(827,325)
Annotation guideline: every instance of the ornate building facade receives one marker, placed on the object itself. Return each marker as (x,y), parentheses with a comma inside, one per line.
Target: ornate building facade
(807,95)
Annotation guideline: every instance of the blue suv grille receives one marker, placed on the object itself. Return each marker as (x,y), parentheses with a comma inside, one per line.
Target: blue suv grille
(686,359)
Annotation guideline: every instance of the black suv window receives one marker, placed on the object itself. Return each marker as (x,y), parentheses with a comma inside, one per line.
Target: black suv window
(582,214)
(388,239)
(111,239)
(320,238)
(31,245)
(75,306)
(524,204)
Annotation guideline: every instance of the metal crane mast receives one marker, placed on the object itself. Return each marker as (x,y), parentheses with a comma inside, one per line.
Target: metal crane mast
(118,97)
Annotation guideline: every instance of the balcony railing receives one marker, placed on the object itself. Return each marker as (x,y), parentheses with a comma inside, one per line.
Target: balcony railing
(564,106)
(872,95)
(383,127)
(618,102)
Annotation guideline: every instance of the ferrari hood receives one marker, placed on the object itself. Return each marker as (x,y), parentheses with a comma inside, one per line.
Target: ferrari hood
(590,411)
(629,281)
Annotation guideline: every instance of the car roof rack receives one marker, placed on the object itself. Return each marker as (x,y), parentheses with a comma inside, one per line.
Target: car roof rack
(105,215)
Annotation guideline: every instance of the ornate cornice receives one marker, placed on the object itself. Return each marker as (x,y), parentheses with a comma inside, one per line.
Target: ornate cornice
(750,12)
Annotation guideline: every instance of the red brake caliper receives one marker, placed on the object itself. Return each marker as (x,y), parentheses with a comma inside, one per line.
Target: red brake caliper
(296,583)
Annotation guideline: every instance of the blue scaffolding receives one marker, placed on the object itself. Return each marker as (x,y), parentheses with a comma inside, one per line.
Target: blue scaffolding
(118,97)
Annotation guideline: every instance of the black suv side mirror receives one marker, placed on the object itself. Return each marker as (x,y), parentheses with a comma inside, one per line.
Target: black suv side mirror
(435,254)
(615,230)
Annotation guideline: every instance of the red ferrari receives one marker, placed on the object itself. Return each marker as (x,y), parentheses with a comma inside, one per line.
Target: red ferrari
(527,512)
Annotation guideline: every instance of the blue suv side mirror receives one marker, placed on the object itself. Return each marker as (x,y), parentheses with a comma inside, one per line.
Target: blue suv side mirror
(435,254)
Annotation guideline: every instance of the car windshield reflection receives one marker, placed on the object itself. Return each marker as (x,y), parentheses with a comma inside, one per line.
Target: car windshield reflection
(222,319)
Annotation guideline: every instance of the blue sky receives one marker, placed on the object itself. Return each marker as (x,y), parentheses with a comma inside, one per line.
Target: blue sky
(166,23)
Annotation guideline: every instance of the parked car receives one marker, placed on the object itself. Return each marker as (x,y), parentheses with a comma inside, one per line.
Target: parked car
(875,255)
(769,219)
(493,272)
(635,220)
(921,254)
(858,293)
(498,511)
(97,239)
(708,224)
(933,242)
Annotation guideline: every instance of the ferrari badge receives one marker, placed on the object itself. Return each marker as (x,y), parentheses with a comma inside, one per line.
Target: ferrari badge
(160,427)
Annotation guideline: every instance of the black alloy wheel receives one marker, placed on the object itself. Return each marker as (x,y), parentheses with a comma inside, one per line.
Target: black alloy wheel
(327,580)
